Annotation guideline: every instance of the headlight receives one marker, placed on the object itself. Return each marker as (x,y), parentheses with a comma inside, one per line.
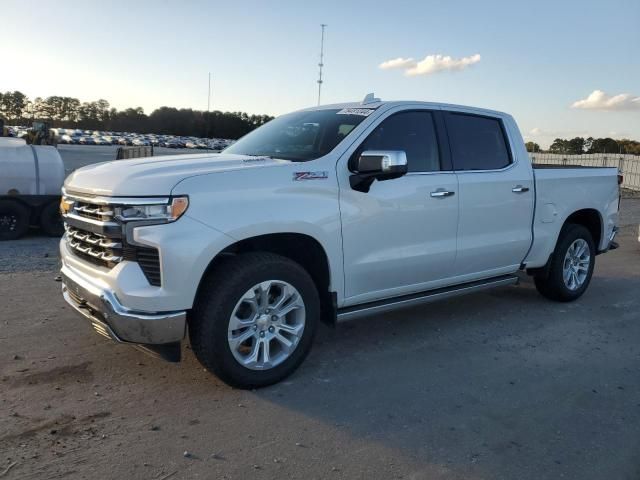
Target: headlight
(164,212)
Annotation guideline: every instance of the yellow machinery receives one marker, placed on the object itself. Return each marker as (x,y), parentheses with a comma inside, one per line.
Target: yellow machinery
(40,134)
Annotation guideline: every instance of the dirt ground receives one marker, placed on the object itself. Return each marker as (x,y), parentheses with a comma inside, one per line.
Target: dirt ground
(498,385)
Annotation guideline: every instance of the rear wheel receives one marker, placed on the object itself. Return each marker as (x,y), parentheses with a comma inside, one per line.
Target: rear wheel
(254,320)
(571,267)
(14,220)
(51,220)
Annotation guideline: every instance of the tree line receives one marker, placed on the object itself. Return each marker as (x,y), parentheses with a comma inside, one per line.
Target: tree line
(69,112)
(580,145)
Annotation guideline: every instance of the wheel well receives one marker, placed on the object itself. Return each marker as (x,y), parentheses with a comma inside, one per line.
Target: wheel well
(300,248)
(590,219)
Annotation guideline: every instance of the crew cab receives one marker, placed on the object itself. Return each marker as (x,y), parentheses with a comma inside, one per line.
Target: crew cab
(329,213)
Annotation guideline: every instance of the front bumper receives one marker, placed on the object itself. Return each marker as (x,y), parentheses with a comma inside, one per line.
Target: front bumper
(111,319)
(612,242)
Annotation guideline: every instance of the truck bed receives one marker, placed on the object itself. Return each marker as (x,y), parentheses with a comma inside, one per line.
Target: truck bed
(561,190)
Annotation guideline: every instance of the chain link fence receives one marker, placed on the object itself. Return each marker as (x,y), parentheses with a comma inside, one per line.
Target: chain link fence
(629,165)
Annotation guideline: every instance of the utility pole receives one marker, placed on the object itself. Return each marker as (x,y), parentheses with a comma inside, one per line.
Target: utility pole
(209,94)
(208,107)
(321,64)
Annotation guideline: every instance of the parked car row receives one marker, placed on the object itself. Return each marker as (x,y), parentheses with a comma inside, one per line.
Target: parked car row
(73,136)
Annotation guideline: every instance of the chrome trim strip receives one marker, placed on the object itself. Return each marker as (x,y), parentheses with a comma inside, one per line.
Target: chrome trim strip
(124,324)
(351,313)
(91,221)
(435,172)
(98,325)
(102,200)
(92,239)
(107,257)
(108,231)
(94,211)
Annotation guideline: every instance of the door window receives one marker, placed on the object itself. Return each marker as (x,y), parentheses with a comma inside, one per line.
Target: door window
(412,132)
(477,143)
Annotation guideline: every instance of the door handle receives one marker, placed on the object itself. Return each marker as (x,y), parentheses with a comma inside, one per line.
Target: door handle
(442,193)
(519,189)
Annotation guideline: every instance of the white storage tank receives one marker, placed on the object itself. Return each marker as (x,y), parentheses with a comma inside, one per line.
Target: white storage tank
(31,179)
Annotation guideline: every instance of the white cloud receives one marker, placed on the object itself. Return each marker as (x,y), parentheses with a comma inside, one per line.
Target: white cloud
(599,100)
(398,63)
(430,64)
(439,63)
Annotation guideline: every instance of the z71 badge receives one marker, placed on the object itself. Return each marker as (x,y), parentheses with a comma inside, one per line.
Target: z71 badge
(299,176)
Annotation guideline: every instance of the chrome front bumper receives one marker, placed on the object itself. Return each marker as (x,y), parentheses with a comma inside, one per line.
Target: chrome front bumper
(112,320)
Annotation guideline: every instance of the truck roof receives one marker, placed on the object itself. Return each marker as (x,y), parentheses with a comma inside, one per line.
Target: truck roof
(377,103)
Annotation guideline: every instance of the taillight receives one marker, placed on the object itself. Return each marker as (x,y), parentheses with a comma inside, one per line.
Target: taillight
(620,179)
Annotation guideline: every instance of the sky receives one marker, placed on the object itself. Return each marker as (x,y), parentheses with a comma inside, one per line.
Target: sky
(562,68)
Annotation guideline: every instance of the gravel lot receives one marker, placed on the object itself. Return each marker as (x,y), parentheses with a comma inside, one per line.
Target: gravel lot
(500,385)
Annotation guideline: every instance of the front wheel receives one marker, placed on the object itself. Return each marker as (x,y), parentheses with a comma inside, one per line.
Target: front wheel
(571,266)
(254,320)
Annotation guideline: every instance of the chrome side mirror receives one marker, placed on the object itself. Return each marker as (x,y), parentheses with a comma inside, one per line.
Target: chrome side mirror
(377,165)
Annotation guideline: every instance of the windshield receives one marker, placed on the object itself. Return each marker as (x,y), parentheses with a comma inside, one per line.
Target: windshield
(300,136)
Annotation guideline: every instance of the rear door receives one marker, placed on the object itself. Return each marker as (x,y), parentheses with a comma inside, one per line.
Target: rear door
(496,196)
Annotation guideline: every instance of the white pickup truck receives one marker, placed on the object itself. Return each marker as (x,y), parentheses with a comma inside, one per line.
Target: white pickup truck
(329,213)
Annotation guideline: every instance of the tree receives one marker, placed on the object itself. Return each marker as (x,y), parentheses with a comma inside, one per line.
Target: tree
(129,120)
(64,109)
(69,112)
(629,146)
(587,144)
(604,145)
(559,145)
(12,105)
(575,146)
(532,147)
(38,109)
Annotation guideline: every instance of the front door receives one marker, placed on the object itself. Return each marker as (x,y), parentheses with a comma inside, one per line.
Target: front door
(400,236)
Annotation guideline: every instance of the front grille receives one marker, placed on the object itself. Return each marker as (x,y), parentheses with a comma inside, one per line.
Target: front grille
(99,240)
(103,213)
(96,248)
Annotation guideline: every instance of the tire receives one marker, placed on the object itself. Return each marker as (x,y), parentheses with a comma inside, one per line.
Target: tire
(225,292)
(554,286)
(14,220)
(51,220)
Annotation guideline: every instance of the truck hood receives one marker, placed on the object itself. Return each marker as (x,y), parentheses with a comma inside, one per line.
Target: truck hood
(156,175)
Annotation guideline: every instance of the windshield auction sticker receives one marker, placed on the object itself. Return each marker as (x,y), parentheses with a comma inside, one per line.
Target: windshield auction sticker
(364,112)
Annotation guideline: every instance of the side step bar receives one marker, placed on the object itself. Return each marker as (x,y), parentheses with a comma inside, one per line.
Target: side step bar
(387,305)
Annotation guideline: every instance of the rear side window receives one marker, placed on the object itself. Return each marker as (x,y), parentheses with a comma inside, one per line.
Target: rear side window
(477,143)
(412,132)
